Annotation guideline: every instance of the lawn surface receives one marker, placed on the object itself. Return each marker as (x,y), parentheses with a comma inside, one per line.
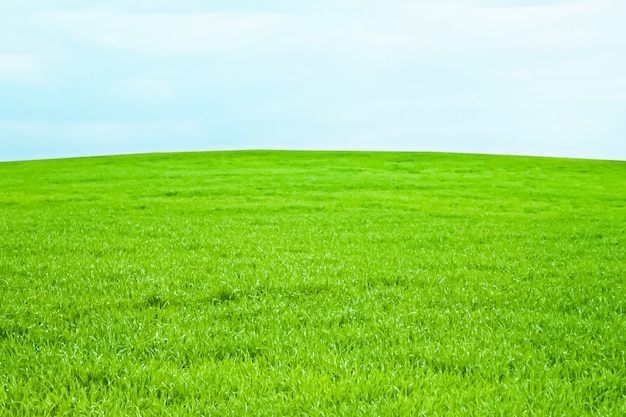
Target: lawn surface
(313,283)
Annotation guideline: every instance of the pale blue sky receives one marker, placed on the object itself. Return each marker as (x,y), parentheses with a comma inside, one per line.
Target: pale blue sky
(482,76)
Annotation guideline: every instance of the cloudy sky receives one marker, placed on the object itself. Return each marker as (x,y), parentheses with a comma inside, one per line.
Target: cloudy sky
(535,77)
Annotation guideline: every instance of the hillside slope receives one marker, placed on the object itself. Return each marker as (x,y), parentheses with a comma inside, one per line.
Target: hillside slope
(317,283)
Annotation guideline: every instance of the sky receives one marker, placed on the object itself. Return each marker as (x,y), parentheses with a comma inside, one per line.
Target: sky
(536,77)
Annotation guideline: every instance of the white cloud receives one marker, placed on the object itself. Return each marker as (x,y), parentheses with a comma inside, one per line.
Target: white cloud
(165,33)
(466,27)
(376,36)
(391,30)
(147,89)
(18,67)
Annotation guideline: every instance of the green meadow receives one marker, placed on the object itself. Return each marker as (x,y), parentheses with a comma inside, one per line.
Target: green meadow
(313,284)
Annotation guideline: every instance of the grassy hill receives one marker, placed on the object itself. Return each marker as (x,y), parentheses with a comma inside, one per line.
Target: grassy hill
(312,283)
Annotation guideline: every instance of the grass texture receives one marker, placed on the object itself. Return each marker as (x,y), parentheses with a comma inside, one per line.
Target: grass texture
(313,283)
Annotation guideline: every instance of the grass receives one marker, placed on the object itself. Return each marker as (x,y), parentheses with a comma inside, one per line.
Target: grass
(313,283)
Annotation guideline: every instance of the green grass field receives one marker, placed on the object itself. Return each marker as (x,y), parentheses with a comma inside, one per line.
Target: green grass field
(313,283)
